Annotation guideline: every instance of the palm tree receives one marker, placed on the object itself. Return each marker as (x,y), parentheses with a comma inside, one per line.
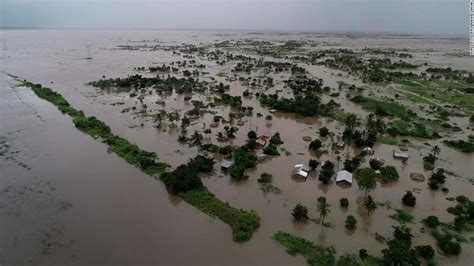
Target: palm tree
(324,211)
(436,150)
(338,159)
(352,122)
(369,204)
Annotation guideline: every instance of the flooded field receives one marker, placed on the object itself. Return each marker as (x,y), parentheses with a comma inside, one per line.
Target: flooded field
(65,198)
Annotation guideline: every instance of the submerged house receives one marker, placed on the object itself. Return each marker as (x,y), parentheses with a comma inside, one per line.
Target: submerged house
(300,170)
(344,176)
(400,155)
(226,165)
(262,140)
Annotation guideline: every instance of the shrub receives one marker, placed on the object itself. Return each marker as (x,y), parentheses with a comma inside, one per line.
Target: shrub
(265,178)
(447,244)
(252,134)
(271,150)
(327,171)
(389,173)
(375,164)
(366,178)
(238,173)
(276,139)
(431,222)
(344,202)
(315,145)
(300,213)
(351,223)
(409,199)
(182,179)
(426,251)
(313,163)
(323,132)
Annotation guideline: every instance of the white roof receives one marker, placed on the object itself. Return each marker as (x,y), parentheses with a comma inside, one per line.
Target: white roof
(344,176)
(301,170)
(301,167)
(301,173)
(227,164)
(400,154)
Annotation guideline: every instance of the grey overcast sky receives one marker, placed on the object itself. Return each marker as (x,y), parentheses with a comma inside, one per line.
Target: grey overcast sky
(439,17)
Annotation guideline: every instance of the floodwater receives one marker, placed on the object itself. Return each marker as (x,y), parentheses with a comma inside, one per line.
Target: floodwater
(65,200)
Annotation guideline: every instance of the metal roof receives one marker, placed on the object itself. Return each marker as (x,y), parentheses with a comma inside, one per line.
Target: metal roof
(344,176)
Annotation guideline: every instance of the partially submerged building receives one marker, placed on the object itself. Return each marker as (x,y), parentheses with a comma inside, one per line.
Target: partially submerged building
(344,176)
(400,155)
(226,165)
(300,171)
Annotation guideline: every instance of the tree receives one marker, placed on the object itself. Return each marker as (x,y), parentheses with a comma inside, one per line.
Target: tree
(300,213)
(271,150)
(366,179)
(402,233)
(409,199)
(389,173)
(276,139)
(265,178)
(431,222)
(315,145)
(426,251)
(323,132)
(252,134)
(324,211)
(399,253)
(351,222)
(327,171)
(375,164)
(369,204)
(436,150)
(344,202)
(238,173)
(313,163)
(352,122)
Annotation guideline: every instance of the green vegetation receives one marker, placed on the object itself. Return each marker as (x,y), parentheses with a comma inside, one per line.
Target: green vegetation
(243,223)
(327,171)
(431,222)
(183,181)
(383,108)
(366,179)
(265,178)
(462,145)
(323,209)
(243,159)
(426,251)
(271,149)
(276,139)
(447,243)
(300,213)
(351,223)
(406,128)
(441,90)
(409,199)
(315,255)
(344,202)
(402,216)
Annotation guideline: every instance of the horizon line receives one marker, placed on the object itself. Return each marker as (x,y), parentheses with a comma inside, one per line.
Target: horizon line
(334,32)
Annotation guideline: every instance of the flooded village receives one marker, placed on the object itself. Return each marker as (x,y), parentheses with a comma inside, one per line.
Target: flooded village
(235,148)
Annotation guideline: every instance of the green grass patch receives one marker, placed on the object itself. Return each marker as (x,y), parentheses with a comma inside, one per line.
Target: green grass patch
(243,223)
(315,255)
(402,216)
(441,90)
(383,108)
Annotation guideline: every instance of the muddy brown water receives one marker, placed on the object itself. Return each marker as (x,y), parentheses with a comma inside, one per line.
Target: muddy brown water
(101,210)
